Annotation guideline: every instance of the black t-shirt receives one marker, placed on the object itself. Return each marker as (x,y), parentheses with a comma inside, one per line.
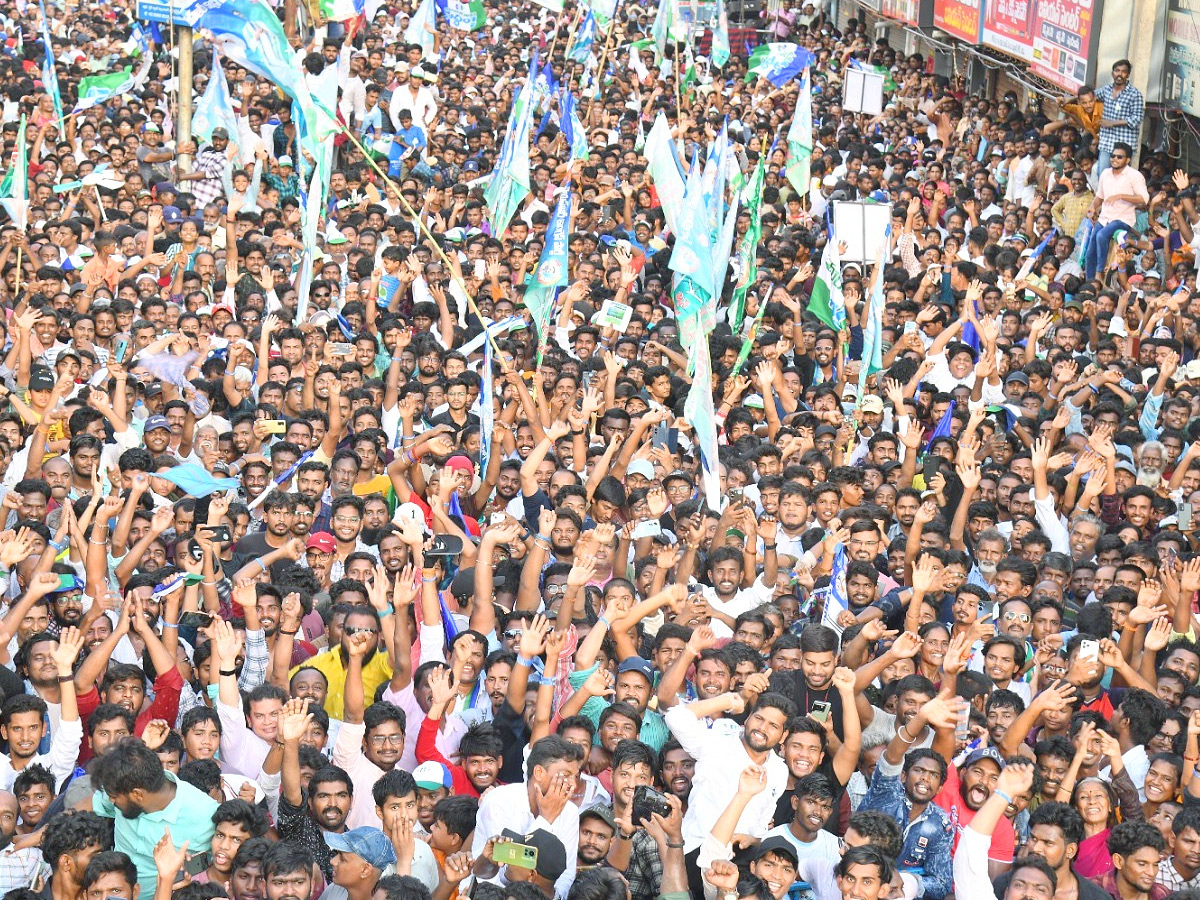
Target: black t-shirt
(793,686)
(837,819)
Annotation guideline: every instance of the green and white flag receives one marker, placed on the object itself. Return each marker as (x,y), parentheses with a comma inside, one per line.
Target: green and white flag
(827,302)
(14,189)
(96,90)
(748,246)
(719,53)
(465,16)
(800,139)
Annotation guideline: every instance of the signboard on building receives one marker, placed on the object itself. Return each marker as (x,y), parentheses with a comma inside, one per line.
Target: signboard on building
(1181,76)
(1007,26)
(1062,41)
(959,18)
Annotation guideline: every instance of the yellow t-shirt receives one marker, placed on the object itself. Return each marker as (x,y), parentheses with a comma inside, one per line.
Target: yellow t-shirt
(329,663)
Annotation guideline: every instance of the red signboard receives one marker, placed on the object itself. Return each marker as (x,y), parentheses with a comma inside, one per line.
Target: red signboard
(902,10)
(959,18)
(1007,26)
(1062,38)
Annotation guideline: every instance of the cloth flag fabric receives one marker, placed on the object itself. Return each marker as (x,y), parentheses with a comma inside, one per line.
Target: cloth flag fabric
(196,481)
(572,128)
(551,272)
(585,39)
(510,183)
(14,190)
(215,108)
(698,410)
(249,33)
(662,162)
(747,247)
(487,406)
(96,90)
(779,63)
(836,598)
(827,302)
(341,10)
(692,256)
(420,27)
(943,427)
(719,52)
(667,27)
(49,72)
(465,16)
(1031,260)
(800,139)
(872,358)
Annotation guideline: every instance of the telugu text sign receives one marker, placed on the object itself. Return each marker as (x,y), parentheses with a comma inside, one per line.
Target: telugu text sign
(1007,25)
(1062,38)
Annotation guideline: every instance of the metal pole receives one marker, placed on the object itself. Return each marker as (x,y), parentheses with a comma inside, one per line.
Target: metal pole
(185,95)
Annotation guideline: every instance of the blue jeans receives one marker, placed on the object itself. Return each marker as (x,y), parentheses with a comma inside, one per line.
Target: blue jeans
(1097,251)
(1102,162)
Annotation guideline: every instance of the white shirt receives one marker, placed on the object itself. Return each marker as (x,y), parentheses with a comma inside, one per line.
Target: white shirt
(507,806)
(422,106)
(824,847)
(64,749)
(720,758)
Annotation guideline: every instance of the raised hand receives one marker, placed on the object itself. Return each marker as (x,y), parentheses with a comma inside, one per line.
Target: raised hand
(294,720)
(70,642)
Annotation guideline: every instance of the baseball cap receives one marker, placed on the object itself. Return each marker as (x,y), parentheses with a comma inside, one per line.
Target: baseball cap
(754,401)
(165,187)
(1017,377)
(321,540)
(285,160)
(172,215)
(219,132)
(432,775)
(369,843)
(601,812)
(641,467)
(551,854)
(1126,466)
(41,379)
(679,473)
(780,846)
(460,462)
(984,753)
(155,422)
(636,664)
(872,405)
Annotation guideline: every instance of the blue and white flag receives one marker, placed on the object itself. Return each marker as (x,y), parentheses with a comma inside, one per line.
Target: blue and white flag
(837,599)
(943,427)
(585,38)
(215,108)
(779,63)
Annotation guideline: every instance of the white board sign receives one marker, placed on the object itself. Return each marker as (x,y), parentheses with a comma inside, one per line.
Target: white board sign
(862,226)
(862,92)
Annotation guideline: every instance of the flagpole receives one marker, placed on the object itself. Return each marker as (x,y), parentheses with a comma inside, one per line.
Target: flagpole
(554,41)
(612,28)
(17,286)
(452,270)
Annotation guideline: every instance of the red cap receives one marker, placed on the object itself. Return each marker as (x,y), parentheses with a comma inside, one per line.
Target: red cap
(323,541)
(458,461)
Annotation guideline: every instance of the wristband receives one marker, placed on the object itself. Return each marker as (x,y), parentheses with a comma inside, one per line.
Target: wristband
(541,537)
(769,546)
(63,679)
(522,661)
(384,613)
(675,846)
(60,547)
(227,671)
(174,625)
(1005,797)
(289,633)
(607,624)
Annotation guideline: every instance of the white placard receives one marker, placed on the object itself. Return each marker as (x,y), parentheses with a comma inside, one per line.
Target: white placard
(862,226)
(862,92)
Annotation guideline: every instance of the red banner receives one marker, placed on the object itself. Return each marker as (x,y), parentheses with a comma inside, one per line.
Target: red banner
(1007,25)
(1062,38)
(959,18)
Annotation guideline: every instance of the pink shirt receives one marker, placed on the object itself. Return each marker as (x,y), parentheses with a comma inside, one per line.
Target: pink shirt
(1128,181)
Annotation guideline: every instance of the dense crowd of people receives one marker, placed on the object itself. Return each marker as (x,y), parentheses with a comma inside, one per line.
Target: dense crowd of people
(381,594)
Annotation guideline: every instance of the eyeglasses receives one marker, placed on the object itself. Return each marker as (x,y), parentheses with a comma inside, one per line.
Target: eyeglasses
(351,630)
(555,590)
(1023,618)
(379,740)
(347,520)
(513,634)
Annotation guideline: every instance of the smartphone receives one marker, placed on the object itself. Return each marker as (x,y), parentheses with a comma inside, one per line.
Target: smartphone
(195,620)
(910,326)
(962,725)
(649,528)
(445,545)
(646,802)
(67,583)
(1184,516)
(819,711)
(342,349)
(196,551)
(991,615)
(122,348)
(218,533)
(511,853)
(932,464)
(498,518)
(1089,650)
(275,426)
(736,495)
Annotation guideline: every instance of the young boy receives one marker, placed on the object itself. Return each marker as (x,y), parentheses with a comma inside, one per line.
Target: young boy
(236,822)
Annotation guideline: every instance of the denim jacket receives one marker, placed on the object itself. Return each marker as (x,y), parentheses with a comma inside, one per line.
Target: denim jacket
(928,839)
